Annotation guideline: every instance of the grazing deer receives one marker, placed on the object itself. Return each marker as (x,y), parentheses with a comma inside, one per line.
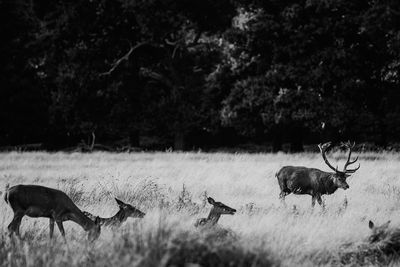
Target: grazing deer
(215,213)
(125,211)
(39,201)
(314,182)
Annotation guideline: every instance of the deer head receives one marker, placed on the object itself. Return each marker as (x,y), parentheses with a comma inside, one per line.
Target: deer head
(129,210)
(378,232)
(339,177)
(220,208)
(215,213)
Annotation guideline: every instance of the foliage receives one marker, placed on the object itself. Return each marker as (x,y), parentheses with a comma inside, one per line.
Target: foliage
(174,70)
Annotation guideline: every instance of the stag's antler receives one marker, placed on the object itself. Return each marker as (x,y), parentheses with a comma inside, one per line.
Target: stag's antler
(323,148)
(350,146)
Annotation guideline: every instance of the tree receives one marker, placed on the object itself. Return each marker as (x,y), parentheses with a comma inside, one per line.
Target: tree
(23,100)
(183,57)
(317,66)
(97,59)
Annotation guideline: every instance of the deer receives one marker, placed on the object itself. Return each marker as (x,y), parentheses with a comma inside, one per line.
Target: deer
(38,201)
(314,182)
(125,211)
(381,232)
(386,238)
(216,211)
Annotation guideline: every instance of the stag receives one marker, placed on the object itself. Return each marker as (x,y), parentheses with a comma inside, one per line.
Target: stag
(39,201)
(314,182)
(216,211)
(125,211)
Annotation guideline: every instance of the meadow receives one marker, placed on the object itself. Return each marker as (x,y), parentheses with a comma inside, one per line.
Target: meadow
(171,188)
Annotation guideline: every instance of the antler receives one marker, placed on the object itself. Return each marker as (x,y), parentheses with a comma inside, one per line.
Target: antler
(350,146)
(323,148)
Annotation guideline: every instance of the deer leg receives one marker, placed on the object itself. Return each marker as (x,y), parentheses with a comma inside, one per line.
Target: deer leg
(51,225)
(18,226)
(61,228)
(13,227)
(320,202)
(282,196)
(312,201)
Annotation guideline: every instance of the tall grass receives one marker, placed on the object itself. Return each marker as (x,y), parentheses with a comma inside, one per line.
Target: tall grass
(171,189)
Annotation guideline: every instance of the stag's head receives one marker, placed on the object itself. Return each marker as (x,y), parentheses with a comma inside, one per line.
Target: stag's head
(220,208)
(339,177)
(129,210)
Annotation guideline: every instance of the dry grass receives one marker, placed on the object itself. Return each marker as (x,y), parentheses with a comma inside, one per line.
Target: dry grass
(264,232)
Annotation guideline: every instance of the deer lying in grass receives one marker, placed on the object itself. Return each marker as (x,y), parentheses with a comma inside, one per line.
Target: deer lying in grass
(216,211)
(314,182)
(385,239)
(378,249)
(125,211)
(383,232)
(39,201)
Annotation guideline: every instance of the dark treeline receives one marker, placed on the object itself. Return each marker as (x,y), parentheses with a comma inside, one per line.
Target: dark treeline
(199,73)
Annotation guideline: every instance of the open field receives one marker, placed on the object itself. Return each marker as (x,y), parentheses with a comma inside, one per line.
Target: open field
(170,189)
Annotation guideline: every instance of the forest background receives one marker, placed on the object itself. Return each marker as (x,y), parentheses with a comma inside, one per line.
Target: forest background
(200,74)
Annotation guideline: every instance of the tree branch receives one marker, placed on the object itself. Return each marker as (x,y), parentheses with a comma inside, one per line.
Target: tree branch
(125,57)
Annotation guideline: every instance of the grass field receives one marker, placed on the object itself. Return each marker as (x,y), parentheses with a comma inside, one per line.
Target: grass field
(171,187)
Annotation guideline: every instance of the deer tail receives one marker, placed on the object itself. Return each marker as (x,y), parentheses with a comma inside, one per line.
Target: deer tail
(6,193)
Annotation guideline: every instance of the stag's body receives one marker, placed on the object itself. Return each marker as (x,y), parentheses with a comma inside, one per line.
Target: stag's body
(302,180)
(314,182)
(39,201)
(125,211)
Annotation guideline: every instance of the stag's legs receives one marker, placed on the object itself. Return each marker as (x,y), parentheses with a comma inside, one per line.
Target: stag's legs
(282,196)
(312,201)
(320,202)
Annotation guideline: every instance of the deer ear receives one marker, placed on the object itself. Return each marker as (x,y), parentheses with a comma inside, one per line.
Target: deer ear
(211,201)
(120,203)
(371,225)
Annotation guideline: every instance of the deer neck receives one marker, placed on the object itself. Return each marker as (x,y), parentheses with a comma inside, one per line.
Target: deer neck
(329,185)
(82,220)
(213,217)
(120,216)
(115,220)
